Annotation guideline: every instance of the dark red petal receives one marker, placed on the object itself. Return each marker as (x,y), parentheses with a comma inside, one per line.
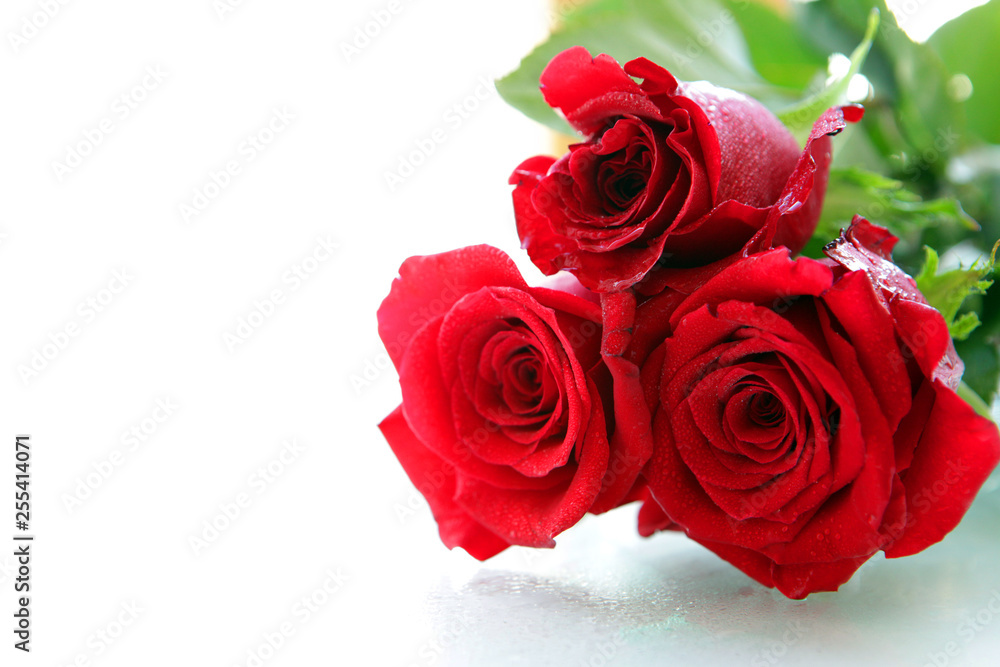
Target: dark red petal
(957,452)
(652,324)
(631,441)
(794,216)
(875,238)
(869,327)
(798,580)
(795,581)
(756,152)
(849,446)
(682,497)
(789,219)
(908,434)
(533,228)
(771,279)
(866,247)
(693,140)
(896,514)
(435,479)
(928,340)
(847,524)
(590,90)
(652,518)
(614,271)
(549,455)
(750,562)
(718,234)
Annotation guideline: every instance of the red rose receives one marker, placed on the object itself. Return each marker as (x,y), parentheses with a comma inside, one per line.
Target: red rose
(688,172)
(804,415)
(502,426)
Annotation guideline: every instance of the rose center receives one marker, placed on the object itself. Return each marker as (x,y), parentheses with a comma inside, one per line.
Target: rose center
(629,185)
(766,410)
(624,176)
(756,422)
(524,376)
(524,383)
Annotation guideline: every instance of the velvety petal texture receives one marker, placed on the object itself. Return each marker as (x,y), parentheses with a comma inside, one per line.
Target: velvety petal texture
(803,414)
(669,174)
(503,426)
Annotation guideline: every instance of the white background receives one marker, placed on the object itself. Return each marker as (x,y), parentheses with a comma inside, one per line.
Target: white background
(337,522)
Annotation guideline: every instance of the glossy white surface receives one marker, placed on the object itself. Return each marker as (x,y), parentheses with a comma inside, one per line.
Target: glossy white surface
(606,597)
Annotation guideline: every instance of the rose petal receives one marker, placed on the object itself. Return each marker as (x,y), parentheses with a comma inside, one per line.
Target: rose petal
(533,518)
(652,518)
(869,326)
(771,279)
(589,90)
(435,479)
(956,454)
(756,152)
(793,218)
(428,286)
(631,440)
(427,406)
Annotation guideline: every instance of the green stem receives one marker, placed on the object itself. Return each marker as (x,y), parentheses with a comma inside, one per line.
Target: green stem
(800,117)
(973,399)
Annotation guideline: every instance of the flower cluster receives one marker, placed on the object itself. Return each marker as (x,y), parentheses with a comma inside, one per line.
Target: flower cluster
(793,415)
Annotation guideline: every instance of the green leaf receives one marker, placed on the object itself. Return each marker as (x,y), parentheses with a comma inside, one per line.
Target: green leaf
(981,350)
(911,122)
(802,115)
(964,325)
(947,291)
(968,45)
(982,364)
(778,50)
(694,40)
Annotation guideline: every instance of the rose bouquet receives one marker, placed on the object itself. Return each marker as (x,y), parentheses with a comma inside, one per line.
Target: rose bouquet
(793,413)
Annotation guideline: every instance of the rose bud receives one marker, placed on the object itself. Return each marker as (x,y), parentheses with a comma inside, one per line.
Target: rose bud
(503,426)
(669,174)
(804,415)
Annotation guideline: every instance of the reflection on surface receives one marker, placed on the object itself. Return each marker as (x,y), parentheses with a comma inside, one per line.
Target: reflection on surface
(599,600)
